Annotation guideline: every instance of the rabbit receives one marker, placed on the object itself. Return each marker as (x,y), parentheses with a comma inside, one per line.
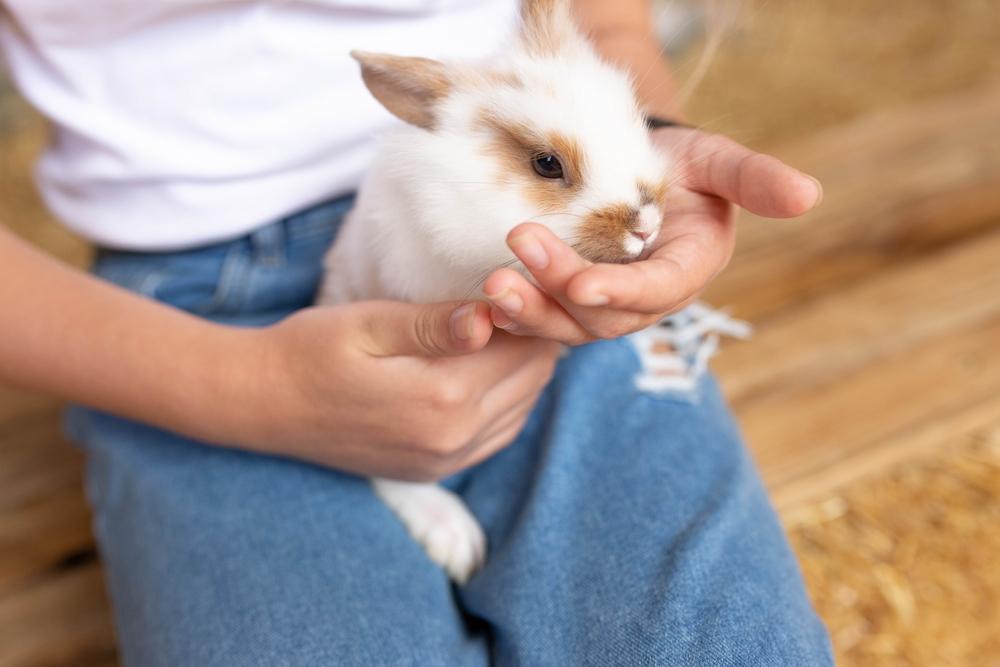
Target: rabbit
(546,132)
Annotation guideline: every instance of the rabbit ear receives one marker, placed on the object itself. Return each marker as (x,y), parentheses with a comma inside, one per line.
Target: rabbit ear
(547,27)
(409,88)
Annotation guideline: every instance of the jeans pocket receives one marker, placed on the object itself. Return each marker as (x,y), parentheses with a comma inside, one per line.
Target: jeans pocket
(188,280)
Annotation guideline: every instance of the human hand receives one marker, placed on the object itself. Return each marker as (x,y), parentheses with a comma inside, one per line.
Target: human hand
(388,389)
(577,301)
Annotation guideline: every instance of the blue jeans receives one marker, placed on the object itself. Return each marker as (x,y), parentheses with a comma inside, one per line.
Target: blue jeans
(626,526)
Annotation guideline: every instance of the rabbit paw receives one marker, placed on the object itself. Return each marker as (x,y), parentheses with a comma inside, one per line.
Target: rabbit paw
(440,522)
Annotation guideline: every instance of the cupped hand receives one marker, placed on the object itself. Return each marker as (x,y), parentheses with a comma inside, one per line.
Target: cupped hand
(392,390)
(576,301)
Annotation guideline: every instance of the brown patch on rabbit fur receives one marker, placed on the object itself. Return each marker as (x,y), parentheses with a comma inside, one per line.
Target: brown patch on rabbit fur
(652,193)
(516,144)
(603,230)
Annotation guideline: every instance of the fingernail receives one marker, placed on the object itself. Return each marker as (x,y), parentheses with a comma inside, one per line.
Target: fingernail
(508,300)
(593,299)
(531,252)
(819,190)
(463,321)
(501,320)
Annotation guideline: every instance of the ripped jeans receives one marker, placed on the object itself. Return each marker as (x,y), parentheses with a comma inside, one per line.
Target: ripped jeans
(627,525)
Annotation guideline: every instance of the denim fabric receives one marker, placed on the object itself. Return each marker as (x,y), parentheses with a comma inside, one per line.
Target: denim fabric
(626,527)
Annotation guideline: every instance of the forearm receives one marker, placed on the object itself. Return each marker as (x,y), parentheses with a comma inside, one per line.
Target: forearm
(69,334)
(623,34)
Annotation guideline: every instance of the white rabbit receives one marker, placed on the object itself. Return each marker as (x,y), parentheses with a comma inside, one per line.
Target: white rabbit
(547,132)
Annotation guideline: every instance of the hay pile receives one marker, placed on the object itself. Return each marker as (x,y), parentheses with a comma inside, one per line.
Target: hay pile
(904,567)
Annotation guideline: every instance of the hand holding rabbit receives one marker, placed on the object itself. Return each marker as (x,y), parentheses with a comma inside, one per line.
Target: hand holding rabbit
(577,301)
(398,385)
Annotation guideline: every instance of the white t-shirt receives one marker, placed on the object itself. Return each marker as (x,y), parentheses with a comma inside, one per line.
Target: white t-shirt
(182,122)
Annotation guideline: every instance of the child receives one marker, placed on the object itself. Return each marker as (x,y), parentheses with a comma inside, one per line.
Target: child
(209,150)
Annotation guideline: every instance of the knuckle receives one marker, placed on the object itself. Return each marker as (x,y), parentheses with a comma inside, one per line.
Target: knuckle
(445,443)
(611,329)
(573,339)
(426,443)
(449,395)
(424,332)
(715,143)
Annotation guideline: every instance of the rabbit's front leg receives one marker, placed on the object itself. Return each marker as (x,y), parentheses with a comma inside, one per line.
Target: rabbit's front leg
(439,520)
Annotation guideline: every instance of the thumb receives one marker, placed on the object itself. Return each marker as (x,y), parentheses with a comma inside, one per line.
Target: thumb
(392,328)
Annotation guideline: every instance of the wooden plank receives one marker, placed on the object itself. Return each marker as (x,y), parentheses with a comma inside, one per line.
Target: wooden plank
(15,403)
(796,438)
(898,184)
(942,431)
(845,384)
(42,535)
(21,207)
(36,462)
(828,338)
(44,518)
(62,619)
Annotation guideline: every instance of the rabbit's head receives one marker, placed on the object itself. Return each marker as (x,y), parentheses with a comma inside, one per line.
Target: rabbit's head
(547,133)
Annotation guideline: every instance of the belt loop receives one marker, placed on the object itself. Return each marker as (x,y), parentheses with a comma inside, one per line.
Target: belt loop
(269,244)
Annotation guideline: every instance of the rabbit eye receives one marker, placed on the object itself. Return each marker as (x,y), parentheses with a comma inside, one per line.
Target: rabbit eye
(547,166)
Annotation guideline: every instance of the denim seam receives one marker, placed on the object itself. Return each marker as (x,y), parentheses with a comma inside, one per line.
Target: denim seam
(149,283)
(231,277)
(270,245)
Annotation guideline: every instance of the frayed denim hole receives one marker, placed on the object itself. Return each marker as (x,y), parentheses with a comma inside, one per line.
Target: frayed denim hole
(662,377)
(674,353)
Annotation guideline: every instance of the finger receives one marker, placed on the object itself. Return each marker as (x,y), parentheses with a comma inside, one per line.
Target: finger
(504,408)
(515,415)
(502,431)
(390,328)
(673,275)
(760,183)
(550,260)
(552,264)
(521,308)
(504,358)
(497,441)
(525,382)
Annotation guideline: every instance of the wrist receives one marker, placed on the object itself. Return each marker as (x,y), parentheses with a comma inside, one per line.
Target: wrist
(229,402)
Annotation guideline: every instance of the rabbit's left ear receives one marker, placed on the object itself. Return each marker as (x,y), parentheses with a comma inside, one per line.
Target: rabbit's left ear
(547,27)
(409,88)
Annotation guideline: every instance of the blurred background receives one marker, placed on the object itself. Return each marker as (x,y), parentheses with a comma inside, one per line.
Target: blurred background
(870,394)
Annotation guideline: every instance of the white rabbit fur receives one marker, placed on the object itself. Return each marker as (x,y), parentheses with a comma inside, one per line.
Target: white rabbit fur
(433,212)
